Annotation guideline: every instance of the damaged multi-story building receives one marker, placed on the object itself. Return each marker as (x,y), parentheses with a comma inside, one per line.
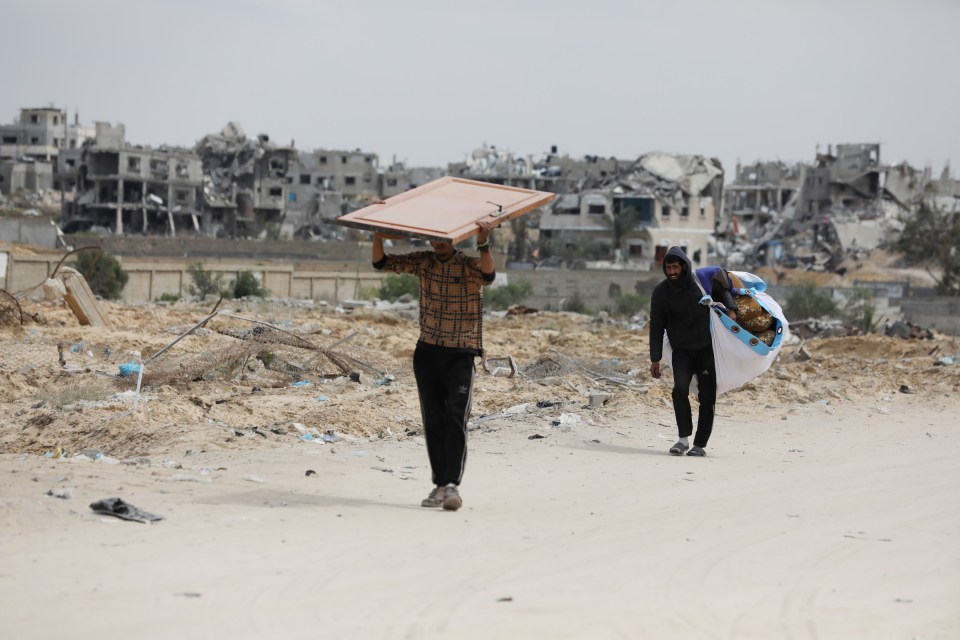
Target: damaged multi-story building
(124,188)
(325,184)
(245,185)
(39,151)
(638,211)
(759,192)
(553,172)
(811,214)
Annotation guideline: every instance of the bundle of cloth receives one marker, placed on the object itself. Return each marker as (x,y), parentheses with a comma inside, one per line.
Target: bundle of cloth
(746,344)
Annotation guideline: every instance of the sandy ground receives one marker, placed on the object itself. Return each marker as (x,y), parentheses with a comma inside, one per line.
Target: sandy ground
(825,508)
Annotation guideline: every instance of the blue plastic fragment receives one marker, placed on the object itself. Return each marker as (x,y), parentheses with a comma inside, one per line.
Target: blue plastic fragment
(129,368)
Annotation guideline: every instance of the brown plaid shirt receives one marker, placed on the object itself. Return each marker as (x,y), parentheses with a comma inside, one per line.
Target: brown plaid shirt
(451,305)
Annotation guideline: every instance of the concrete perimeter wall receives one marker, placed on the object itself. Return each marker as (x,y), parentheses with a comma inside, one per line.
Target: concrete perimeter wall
(150,278)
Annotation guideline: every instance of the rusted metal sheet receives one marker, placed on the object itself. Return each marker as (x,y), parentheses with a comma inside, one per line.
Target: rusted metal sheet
(445,209)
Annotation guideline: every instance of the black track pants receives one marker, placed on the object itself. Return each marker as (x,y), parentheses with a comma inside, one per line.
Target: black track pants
(686,364)
(445,386)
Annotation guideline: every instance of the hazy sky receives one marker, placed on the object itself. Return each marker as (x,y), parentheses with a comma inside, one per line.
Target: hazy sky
(429,81)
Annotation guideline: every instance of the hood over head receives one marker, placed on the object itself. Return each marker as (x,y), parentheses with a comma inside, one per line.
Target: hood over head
(676,254)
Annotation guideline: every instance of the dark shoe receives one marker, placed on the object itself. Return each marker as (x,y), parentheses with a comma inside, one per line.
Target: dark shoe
(435,499)
(678,449)
(696,451)
(451,499)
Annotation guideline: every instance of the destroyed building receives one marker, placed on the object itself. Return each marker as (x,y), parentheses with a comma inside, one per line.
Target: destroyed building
(760,192)
(553,172)
(397,178)
(124,188)
(30,150)
(635,213)
(244,189)
(325,184)
(809,215)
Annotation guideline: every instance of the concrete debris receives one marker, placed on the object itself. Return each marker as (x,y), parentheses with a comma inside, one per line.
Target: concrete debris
(814,215)
(80,299)
(908,330)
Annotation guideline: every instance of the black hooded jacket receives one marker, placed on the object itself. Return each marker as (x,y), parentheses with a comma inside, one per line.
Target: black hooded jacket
(676,309)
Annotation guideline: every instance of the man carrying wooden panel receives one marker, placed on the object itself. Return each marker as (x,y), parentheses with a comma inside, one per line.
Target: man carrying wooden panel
(451,336)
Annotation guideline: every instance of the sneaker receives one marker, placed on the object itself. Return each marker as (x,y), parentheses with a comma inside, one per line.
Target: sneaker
(435,499)
(678,449)
(451,499)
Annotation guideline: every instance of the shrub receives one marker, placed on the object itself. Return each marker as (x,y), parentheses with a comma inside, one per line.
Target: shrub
(630,304)
(860,311)
(168,297)
(804,301)
(103,273)
(500,298)
(395,285)
(247,285)
(576,304)
(204,282)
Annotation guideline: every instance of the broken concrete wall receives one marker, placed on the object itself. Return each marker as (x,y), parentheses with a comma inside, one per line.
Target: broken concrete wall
(19,175)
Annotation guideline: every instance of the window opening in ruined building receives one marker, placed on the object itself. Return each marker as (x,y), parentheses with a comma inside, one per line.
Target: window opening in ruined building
(73,143)
(643,206)
(180,195)
(56,120)
(703,208)
(635,250)
(9,140)
(182,171)
(343,159)
(304,178)
(685,211)
(56,142)
(597,209)
(71,162)
(34,118)
(391,182)
(614,290)
(665,211)
(368,160)
(350,180)
(276,191)
(133,163)
(34,140)
(323,159)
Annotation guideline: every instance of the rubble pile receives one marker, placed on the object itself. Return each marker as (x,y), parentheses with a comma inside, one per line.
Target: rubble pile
(670,177)
(229,164)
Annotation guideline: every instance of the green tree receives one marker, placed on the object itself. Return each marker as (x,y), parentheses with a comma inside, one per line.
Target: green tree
(804,301)
(247,285)
(103,273)
(931,237)
(395,285)
(504,297)
(204,282)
